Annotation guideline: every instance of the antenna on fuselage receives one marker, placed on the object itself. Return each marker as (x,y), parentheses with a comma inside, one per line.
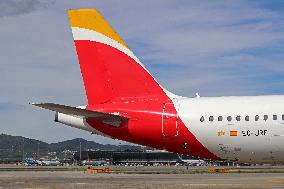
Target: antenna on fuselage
(197,95)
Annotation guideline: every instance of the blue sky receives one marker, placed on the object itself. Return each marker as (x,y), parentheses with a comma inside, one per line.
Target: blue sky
(216,48)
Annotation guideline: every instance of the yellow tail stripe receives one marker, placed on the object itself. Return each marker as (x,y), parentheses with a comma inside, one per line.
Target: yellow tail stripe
(91,19)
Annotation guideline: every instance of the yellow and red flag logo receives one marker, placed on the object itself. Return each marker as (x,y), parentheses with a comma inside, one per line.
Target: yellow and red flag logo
(233,133)
(221,133)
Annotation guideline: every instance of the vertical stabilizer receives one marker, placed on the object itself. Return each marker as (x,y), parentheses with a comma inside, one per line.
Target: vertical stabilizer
(109,68)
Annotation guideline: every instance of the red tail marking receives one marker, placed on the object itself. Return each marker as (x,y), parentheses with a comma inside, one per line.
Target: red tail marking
(109,73)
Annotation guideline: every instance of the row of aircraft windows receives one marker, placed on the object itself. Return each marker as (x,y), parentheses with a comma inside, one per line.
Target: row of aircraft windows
(238,118)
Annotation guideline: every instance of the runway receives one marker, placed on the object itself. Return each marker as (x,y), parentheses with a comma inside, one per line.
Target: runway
(80,179)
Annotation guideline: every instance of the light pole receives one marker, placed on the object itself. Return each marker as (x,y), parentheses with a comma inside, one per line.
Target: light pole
(80,151)
(23,150)
(38,150)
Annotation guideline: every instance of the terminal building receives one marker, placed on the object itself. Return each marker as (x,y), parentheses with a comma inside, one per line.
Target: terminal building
(129,157)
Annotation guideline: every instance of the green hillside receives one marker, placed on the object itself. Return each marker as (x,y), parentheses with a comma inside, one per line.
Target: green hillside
(12,148)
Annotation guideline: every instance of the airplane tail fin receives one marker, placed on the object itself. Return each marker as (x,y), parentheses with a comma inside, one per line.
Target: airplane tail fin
(109,68)
(179,159)
(26,157)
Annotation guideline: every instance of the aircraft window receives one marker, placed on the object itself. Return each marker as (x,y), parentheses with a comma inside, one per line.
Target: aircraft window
(247,118)
(202,119)
(256,118)
(265,117)
(238,118)
(283,117)
(211,118)
(220,118)
(274,117)
(229,118)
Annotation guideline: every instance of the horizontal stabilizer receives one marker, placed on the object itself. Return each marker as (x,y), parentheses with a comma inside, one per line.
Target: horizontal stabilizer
(80,112)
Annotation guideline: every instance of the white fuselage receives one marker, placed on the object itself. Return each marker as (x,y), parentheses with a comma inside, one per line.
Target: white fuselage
(252,140)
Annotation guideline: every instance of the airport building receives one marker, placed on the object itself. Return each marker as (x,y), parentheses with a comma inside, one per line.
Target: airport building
(128,157)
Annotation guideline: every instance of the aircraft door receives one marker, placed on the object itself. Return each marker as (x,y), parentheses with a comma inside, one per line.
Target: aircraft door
(169,121)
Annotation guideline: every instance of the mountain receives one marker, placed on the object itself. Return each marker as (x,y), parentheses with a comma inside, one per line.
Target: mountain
(12,148)
(74,145)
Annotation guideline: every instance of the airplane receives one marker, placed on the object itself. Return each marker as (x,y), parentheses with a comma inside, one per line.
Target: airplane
(190,162)
(125,102)
(28,161)
(94,162)
(46,162)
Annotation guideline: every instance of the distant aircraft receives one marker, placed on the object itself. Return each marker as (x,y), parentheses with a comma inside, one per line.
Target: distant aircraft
(29,161)
(95,162)
(126,102)
(41,161)
(190,162)
(46,162)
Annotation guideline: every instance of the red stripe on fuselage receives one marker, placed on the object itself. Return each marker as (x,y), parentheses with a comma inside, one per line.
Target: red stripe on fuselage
(133,93)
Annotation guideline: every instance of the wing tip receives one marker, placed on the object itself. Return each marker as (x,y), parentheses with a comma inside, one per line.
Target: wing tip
(34,103)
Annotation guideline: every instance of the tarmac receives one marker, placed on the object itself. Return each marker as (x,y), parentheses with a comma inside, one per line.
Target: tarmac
(75,179)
